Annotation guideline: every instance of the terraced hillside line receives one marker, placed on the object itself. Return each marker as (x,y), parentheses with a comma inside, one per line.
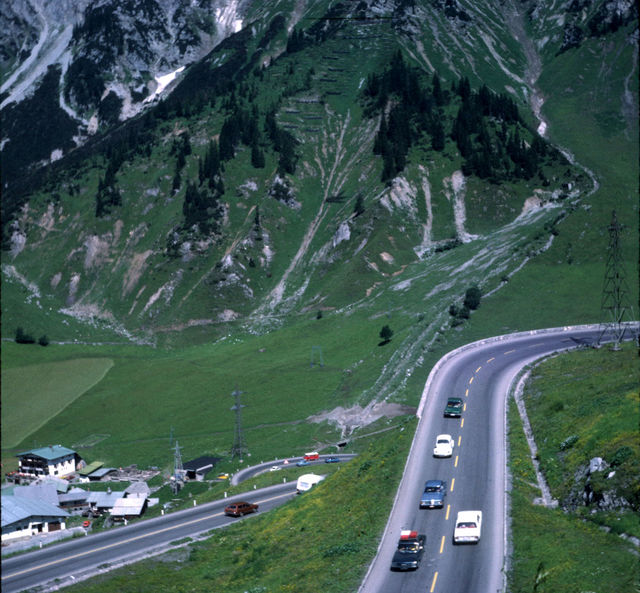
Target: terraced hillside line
(332,181)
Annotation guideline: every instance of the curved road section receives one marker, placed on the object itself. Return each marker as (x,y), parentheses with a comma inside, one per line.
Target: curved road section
(482,375)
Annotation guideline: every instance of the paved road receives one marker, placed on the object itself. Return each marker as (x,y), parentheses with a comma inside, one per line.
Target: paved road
(314,466)
(481,374)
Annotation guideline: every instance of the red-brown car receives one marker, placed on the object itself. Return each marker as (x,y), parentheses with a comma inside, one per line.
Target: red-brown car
(237,509)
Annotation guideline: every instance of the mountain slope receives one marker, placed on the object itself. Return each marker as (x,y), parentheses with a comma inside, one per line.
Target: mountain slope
(278,177)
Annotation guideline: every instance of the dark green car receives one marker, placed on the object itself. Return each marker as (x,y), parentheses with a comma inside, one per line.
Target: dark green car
(453,408)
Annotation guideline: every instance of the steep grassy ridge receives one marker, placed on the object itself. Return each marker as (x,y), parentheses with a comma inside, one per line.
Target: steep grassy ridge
(565,399)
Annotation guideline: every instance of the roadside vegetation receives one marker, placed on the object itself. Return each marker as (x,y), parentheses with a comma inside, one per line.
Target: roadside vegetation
(581,405)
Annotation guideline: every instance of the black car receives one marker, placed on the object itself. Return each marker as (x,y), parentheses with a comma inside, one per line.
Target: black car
(409,552)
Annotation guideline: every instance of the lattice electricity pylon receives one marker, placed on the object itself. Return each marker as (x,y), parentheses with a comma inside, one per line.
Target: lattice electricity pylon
(239,446)
(316,356)
(178,470)
(614,308)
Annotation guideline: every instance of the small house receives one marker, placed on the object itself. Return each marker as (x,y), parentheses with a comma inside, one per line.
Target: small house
(54,460)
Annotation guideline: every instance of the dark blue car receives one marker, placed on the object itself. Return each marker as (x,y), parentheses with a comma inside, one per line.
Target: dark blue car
(433,495)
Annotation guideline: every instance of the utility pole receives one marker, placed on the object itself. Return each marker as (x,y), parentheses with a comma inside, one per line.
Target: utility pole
(178,471)
(614,308)
(239,446)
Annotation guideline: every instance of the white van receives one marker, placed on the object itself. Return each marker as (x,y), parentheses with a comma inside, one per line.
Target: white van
(308,481)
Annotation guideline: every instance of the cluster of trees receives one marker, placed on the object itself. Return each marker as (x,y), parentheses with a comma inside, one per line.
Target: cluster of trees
(417,111)
(181,147)
(487,128)
(470,303)
(202,208)
(24,338)
(283,142)
(108,194)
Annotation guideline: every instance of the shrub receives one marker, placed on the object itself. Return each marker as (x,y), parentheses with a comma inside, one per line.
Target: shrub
(385,333)
(22,338)
(43,340)
(472,298)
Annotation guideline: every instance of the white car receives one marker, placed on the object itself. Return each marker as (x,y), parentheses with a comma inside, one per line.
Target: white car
(444,446)
(275,468)
(468,527)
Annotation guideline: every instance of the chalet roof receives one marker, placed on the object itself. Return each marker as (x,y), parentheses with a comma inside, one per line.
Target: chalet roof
(15,509)
(74,495)
(60,484)
(104,500)
(128,507)
(45,492)
(49,453)
(103,471)
(137,490)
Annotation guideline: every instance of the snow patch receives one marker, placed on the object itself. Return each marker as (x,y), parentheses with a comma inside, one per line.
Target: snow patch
(163,82)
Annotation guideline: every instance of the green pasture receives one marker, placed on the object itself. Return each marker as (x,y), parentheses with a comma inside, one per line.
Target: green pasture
(35,394)
(150,394)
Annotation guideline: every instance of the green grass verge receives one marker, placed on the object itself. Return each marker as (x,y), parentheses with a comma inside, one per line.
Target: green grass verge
(585,405)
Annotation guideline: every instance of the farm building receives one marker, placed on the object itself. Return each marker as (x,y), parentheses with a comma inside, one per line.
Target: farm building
(99,474)
(89,468)
(23,517)
(54,460)
(126,508)
(103,501)
(197,469)
(74,500)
